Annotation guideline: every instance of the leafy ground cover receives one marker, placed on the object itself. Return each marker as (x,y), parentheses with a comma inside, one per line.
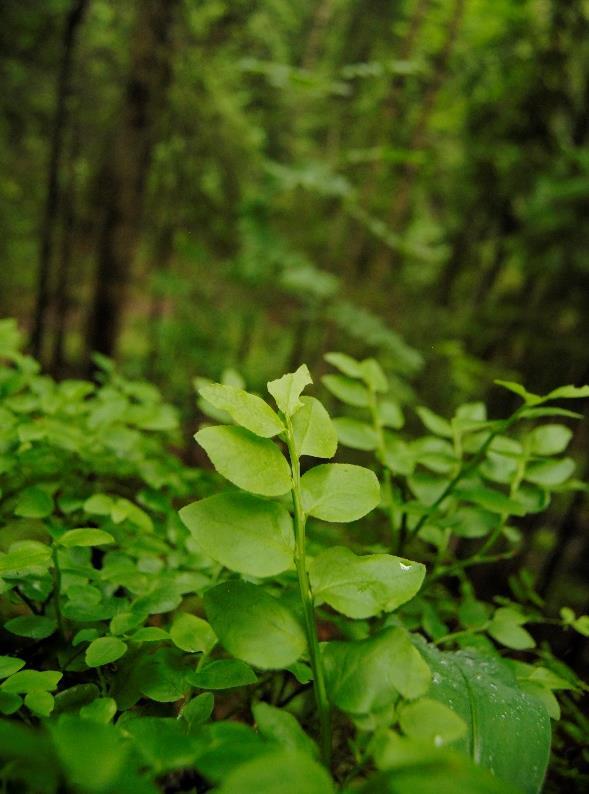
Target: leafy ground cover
(302,620)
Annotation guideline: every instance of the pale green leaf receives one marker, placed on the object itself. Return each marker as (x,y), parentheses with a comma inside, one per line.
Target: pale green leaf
(279,772)
(339,492)
(192,634)
(287,389)
(431,721)
(434,423)
(364,586)
(279,726)
(506,628)
(85,537)
(248,461)
(31,680)
(346,364)
(246,409)
(314,432)
(253,625)
(347,390)
(223,674)
(242,532)
(550,473)
(40,702)
(550,439)
(355,434)
(34,502)
(373,375)
(104,650)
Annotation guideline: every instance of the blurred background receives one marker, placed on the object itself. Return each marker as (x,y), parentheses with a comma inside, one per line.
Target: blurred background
(191,186)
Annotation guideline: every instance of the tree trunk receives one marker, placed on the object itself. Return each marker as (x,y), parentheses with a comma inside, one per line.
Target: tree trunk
(126,167)
(62,94)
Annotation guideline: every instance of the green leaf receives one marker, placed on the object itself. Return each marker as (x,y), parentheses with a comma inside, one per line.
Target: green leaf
(314,432)
(242,532)
(550,473)
(569,393)
(279,726)
(246,409)
(390,414)
(9,703)
(346,364)
(192,634)
(100,710)
(287,390)
(491,500)
(31,680)
(364,586)
(162,676)
(284,771)
(24,555)
(355,434)
(347,390)
(85,537)
(248,461)
(34,502)
(10,665)
(104,650)
(36,627)
(367,675)
(148,634)
(253,625)
(508,731)
(99,504)
(339,492)
(434,423)
(40,702)
(223,674)
(528,397)
(199,709)
(373,375)
(431,721)
(549,439)
(506,628)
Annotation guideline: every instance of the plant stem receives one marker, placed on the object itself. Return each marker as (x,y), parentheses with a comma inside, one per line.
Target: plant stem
(381,452)
(319,687)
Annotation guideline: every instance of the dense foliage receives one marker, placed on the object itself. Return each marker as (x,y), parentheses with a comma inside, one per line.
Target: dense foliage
(272,635)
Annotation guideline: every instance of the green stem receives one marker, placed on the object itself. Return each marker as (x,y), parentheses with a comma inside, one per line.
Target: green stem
(306,594)
(381,454)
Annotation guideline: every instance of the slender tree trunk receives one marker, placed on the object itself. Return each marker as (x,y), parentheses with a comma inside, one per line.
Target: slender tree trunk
(401,204)
(62,292)
(50,212)
(126,168)
(163,256)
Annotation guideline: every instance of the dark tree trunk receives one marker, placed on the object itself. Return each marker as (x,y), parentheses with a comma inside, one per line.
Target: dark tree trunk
(126,167)
(51,209)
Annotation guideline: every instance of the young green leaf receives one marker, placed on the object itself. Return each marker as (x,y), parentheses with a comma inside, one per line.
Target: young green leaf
(390,414)
(550,473)
(284,771)
(31,680)
(242,532)
(434,423)
(253,625)
(364,586)
(24,555)
(279,726)
(314,432)
(347,390)
(104,650)
(223,674)
(367,675)
(248,461)
(85,537)
(568,393)
(36,627)
(40,702)
(100,710)
(34,502)
(355,434)
(10,665)
(550,439)
(528,397)
(246,409)
(431,721)
(346,364)
(373,375)
(506,628)
(287,390)
(199,709)
(339,492)
(192,634)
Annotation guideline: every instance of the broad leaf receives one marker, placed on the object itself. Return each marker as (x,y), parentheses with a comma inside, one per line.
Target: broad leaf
(355,434)
(347,390)
(280,726)
(248,461)
(339,492)
(550,439)
(287,390)
(192,634)
(104,650)
(242,532)
(31,680)
(246,409)
(314,432)
(223,674)
(85,537)
(253,625)
(508,731)
(550,473)
(367,675)
(284,771)
(364,586)
(24,555)
(36,627)
(34,502)
(10,665)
